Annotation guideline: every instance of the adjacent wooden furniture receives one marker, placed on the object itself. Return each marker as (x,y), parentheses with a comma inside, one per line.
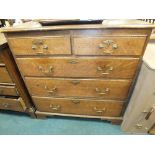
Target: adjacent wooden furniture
(140,115)
(13,93)
(80,70)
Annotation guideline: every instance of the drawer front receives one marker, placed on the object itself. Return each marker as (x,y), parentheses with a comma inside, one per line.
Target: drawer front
(8,90)
(79,107)
(46,87)
(108,45)
(10,104)
(4,75)
(41,45)
(78,67)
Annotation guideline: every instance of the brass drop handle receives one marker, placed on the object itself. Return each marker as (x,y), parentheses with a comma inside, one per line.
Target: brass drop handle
(101,46)
(76,101)
(54,90)
(114,46)
(102,92)
(46,71)
(105,69)
(45,47)
(150,112)
(99,110)
(107,45)
(55,107)
(5,105)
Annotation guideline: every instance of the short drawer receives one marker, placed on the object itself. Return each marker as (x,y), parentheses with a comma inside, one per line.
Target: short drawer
(46,87)
(79,107)
(11,104)
(4,75)
(108,45)
(8,90)
(41,45)
(78,67)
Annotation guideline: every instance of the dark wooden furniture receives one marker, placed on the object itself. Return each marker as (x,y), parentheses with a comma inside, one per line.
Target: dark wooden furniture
(13,93)
(80,70)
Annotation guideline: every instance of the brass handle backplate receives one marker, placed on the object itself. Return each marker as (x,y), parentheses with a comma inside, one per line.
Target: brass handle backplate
(46,71)
(103,91)
(39,44)
(99,110)
(51,91)
(55,107)
(105,69)
(108,46)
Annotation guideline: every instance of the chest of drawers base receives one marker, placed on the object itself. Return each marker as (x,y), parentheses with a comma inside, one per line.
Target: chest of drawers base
(85,73)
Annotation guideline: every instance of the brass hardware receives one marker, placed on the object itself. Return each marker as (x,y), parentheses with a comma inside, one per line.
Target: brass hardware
(76,101)
(101,46)
(108,46)
(46,71)
(52,91)
(105,69)
(150,112)
(45,47)
(73,61)
(55,107)
(102,92)
(34,47)
(75,82)
(139,126)
(114,46)
(99,110)
(5,105)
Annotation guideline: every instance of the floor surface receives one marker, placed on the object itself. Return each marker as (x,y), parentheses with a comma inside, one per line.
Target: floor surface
(12,123)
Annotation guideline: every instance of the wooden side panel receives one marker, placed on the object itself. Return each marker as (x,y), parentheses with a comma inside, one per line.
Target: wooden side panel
(79,67)
(46,87)
(81,106)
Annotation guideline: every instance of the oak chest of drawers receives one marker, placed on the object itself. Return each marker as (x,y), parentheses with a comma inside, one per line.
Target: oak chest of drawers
(80,70)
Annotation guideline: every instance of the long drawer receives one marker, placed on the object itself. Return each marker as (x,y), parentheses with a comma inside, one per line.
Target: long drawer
(112,45)
(4,75)
(42,45)
(11,104)
(79,106)
(78,67)
(8,90)
(46,87)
